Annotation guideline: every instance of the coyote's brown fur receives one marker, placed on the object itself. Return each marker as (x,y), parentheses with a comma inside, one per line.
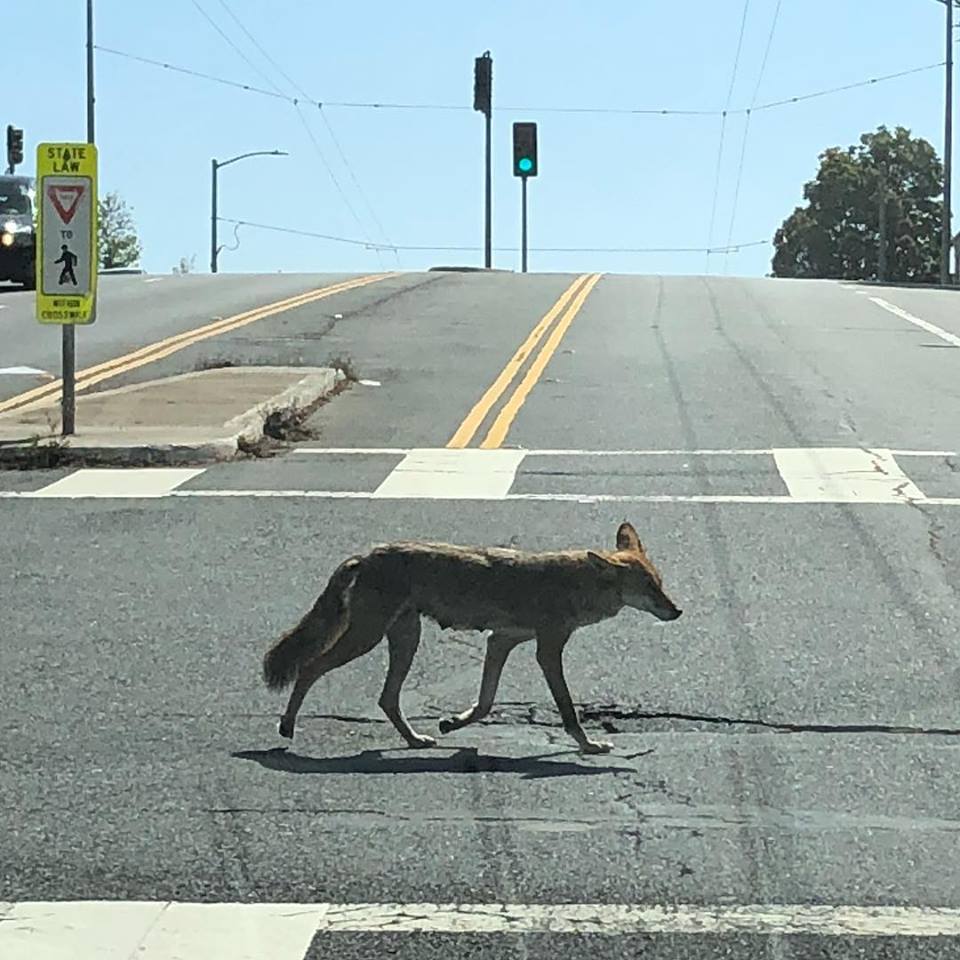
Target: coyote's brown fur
(515,594)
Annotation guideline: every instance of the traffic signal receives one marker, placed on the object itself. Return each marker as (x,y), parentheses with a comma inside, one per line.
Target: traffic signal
(524,149)
(483,83)
(14,146)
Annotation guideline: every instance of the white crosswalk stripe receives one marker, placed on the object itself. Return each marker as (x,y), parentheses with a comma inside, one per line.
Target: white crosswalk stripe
(165,930)
(794,476)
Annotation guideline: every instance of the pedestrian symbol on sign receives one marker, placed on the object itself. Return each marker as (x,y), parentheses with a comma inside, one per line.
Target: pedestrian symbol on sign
(68,259)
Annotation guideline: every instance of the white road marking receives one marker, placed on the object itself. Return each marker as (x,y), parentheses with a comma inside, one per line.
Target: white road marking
(117,930)
(452,474)
(923,324)
(835,475)
(149,482)
(108,930)
(924,453)
(24,371)
(558,497)
(546,497)
(393,451)
(153,279)
(402,451)
(812,476)
(753,452)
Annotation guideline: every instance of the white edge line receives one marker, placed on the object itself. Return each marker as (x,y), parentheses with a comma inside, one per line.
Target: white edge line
(562,497)
(515,497)
(400,452)
(924,453)
(396,451)
(772,919)
(944,335)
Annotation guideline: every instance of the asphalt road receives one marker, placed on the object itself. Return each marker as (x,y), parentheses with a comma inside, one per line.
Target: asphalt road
(135,311)
(791,740)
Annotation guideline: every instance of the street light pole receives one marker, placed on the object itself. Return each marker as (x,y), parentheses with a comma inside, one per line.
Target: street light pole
(215,165)
(68,336)
(947,150)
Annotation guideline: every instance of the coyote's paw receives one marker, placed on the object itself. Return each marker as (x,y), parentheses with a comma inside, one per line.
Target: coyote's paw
(419,741)
(285,729)
(446,725)
(597,746)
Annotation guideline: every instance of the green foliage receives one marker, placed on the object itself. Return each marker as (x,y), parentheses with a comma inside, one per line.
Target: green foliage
(116,234)
(837,234)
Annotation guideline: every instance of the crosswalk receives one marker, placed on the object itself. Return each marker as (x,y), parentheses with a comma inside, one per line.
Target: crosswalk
(166,930)
(755,476)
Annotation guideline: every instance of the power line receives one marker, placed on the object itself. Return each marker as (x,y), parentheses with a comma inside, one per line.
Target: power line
(746,127)
(736,59)
(296,86)
(766,53)
(723,129)
(302,119)
(847,86)
(227,39)
(468,248)
(333,177)
(625,111)
(263,52)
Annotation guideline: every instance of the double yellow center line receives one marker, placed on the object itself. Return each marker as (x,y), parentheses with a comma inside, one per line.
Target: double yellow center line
(563,312)
(164,348)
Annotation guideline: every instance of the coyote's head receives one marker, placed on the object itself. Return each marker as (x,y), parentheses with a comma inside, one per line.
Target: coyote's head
(638,580)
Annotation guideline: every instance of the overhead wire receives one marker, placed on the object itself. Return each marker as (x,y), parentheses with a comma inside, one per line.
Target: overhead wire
(316,143)
(470,248)
(746,128)
(723,130)
(300,90)
(627,111)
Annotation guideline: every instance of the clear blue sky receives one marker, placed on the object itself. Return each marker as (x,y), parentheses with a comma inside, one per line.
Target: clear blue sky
(605,180)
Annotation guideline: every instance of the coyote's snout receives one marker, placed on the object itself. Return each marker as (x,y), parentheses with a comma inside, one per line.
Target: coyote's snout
(514,594)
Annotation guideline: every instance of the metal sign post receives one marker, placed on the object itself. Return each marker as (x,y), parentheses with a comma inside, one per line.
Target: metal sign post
(67,249)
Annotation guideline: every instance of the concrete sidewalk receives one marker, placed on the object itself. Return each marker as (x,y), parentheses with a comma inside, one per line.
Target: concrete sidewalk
(207,415)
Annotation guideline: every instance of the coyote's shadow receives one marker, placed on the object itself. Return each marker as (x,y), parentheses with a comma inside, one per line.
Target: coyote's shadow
(462,760)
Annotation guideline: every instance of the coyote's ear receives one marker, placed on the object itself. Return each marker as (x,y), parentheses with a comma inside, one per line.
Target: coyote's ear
(603,564)
(627,538)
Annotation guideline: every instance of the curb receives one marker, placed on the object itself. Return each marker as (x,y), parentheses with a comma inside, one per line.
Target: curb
(240,432)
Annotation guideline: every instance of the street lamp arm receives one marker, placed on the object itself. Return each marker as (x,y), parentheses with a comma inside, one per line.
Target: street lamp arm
(215,166)
(254,153)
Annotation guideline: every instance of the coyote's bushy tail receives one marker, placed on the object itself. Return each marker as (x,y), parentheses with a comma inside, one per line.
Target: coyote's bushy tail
(323,625)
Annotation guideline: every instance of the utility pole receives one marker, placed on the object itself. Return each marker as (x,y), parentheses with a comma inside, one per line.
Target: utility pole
(947,149)
(215,165)
(68,401)
(882,254)
(483,103)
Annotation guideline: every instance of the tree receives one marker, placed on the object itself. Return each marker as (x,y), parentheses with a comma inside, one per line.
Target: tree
(186,265)
(116,233)
(837,234)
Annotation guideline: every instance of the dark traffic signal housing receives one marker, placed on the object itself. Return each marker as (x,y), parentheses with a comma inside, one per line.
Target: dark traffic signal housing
(14,146)
(525,150)
(483,84)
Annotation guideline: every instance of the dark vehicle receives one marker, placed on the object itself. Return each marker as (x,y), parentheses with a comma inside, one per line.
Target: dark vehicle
(18,237)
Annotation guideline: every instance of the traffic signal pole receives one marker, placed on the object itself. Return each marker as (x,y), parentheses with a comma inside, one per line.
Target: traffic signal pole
(523,225)
(524,166)
(488,202)
(483,103)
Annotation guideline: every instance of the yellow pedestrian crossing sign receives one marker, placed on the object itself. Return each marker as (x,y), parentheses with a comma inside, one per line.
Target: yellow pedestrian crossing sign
(66,233)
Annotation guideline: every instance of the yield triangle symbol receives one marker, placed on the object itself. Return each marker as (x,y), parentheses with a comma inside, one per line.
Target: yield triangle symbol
(65,199)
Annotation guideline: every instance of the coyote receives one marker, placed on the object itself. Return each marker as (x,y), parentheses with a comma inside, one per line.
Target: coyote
(515,594)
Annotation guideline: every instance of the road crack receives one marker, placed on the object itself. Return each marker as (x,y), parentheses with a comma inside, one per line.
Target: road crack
(613,713)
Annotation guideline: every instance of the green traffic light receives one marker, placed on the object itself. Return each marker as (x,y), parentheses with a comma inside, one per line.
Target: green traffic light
(525,164)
